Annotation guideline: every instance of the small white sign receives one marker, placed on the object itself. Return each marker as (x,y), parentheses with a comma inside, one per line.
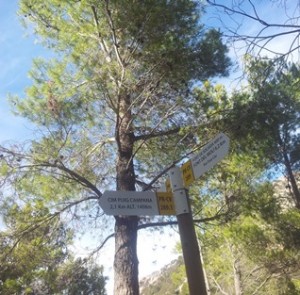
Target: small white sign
(210,155)
(129,203)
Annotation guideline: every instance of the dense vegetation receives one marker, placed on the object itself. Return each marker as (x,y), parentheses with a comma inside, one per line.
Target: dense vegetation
(252,244)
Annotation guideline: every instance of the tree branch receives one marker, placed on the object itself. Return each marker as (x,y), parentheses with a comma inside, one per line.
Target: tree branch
(157,134)
(76,176)
(114,37)
(218,286)
(153,130)
(101,41)
(262,284)
(38,223)
(170,166)
(247,15)
(290,26)
(173,222)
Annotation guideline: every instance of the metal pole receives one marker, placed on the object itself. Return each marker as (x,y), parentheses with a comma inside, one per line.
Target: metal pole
(190,249)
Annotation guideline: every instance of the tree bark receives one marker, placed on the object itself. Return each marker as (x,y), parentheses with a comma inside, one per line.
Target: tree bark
(291,176)
(125,261)
(237,272)
(237,275)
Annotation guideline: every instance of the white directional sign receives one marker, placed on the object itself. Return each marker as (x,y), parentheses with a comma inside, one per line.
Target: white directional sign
(213,152)
(131,203)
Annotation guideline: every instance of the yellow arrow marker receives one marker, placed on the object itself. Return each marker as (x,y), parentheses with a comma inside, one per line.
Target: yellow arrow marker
(187,173)
(165,203)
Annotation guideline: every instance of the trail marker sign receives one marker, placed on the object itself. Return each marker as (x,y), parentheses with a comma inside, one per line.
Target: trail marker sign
(165,202)
(131,203)
(148,203)
(213,152)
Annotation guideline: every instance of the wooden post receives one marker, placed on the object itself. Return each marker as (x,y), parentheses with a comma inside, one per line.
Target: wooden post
(190,249)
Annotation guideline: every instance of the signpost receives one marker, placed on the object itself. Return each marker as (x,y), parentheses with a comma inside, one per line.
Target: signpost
(188,238)
(212,153)
(133,203)
(174,201)
(150,203)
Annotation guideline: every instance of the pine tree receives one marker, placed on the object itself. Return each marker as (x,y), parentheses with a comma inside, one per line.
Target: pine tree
(113,106)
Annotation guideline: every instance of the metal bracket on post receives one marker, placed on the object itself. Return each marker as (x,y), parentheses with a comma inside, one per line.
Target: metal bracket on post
(179,192)
(181,202)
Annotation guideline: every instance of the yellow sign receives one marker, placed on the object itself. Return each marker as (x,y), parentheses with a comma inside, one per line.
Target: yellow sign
(187,173)
(165,203)
(168,185)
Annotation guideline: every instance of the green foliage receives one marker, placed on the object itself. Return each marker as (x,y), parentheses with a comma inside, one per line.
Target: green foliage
(170,280)
(269,111)
(154,59)
(79,277)
(35,257)
(179,280)
(251,244)
(254,249)
(30,243)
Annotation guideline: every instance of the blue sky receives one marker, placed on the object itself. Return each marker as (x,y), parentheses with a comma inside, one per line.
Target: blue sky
(16,54)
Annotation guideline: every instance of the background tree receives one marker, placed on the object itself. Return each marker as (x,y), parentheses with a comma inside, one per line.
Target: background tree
(257,249)
(252,247)
(115,92)
(270,111)
(81,277)
(35,258)
(253,252)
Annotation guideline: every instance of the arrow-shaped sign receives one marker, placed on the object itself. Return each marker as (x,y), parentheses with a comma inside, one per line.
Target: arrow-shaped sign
(213,152)
(132,203)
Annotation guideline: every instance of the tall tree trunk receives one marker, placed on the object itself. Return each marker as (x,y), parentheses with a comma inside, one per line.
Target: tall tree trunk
(237,274)
(291,176)
(126,261)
